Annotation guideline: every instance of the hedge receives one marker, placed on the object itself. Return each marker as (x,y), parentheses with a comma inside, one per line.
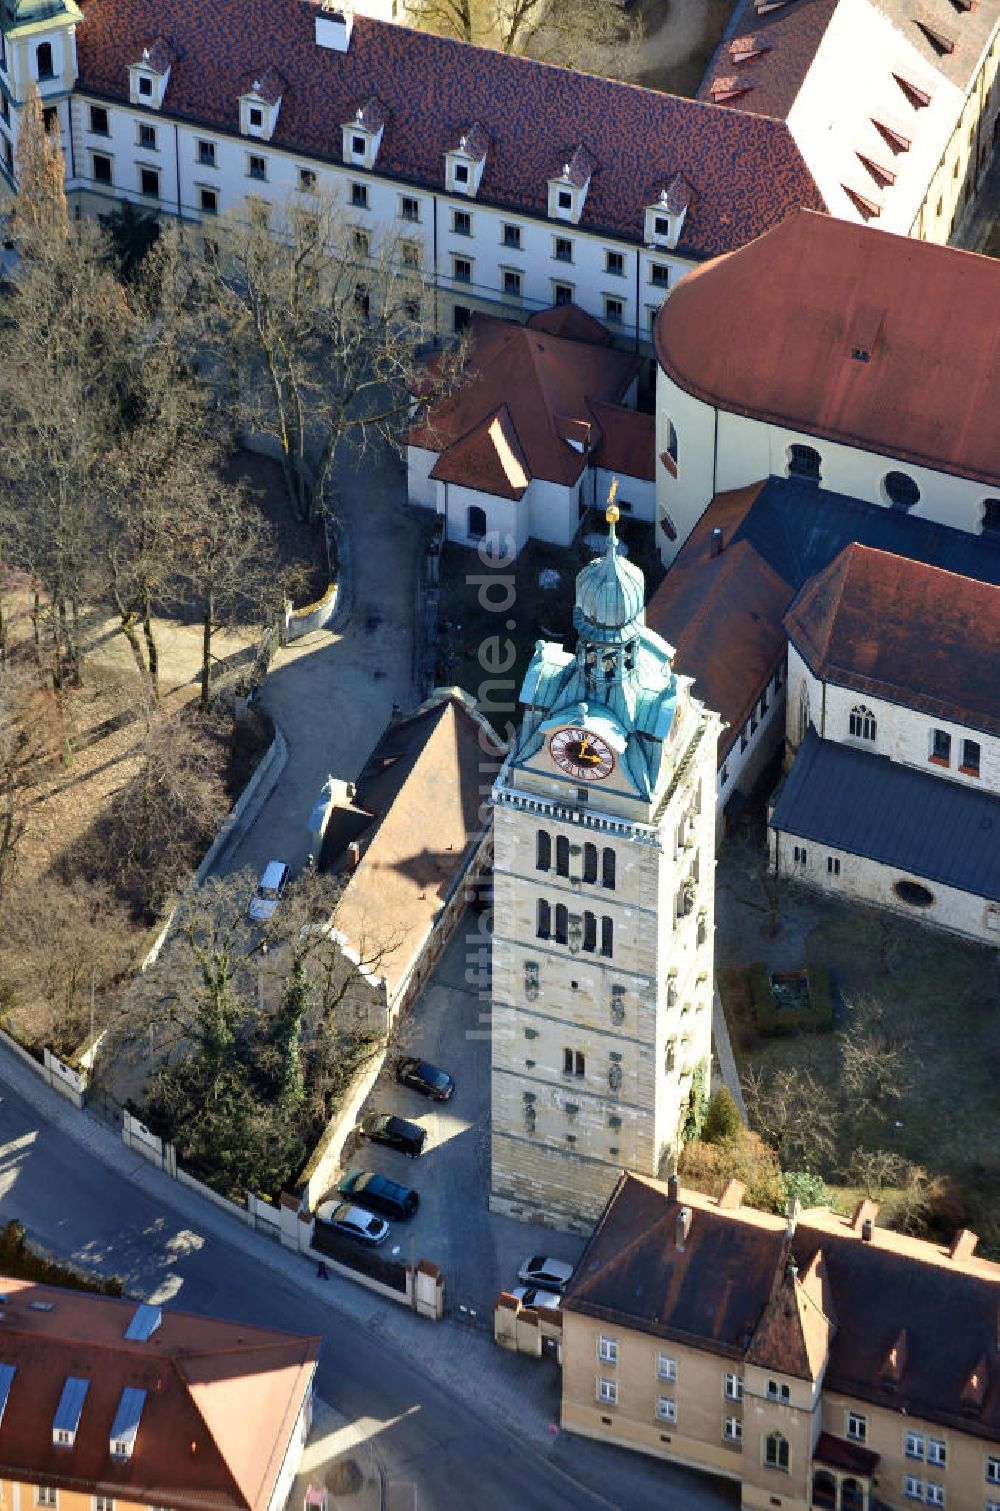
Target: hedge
(771,1019)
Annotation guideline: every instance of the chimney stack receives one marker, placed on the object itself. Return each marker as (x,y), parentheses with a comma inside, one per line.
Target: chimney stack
(683,1227)
(963,1244)
(716,546)
(673,1187)
(867,1229)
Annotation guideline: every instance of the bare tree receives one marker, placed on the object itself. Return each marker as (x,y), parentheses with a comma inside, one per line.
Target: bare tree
(874,1170)
(40,207)
(325,327)
(795,1113)
(873,1065)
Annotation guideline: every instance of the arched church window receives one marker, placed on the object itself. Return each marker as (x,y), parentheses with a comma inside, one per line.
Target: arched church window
(608,868)
(590,932)
(607,936)
(803,712)
(543,851)
(562,924)
(901,490)
(590,862)
(804,463)
(43,59)
(862,723)
(543,925)
(562,855)
(476,526)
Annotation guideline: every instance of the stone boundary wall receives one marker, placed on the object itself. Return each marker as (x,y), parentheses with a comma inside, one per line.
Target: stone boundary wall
(314,616)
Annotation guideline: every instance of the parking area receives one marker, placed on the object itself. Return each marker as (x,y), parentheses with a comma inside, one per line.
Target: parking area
(478,1251)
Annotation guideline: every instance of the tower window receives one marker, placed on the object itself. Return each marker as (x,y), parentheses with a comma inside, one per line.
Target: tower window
(804,463)
(543,925)
(607,936)
(574,1063)
(590,932)
(608,867)
(543,850)
(590,862)
(43,60)
(562,855)
(562,924)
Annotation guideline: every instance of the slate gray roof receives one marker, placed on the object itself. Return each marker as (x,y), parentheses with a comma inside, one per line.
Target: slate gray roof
(922,825)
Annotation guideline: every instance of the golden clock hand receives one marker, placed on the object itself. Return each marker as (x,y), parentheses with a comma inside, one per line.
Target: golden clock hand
(583,746)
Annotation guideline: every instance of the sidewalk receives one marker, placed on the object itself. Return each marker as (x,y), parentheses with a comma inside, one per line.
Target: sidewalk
(338,1460)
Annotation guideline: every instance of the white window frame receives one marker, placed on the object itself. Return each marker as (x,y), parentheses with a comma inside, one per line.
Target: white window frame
(151,146)
(512,273)
(666,1367)
(47,1495)
(993,1469)
(732,1387)
(210,160)
(914,1444)
(456,258)
(404,201)
(140,169)
(775,1390)
(937,1451)
(732,1429)
(360,198)
(607,1349)
(204,189)
(257,157)
(913,1488)
(856,1427)
(607,1391)
(666,1409)
(612,253)
(102,1503)
(609,316)
(934,1493)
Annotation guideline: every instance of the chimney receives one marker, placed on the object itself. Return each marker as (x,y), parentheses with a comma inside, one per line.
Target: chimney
(863,1221)
(334,24)
(683,1227)
(716,547)
(963,1245)
(731,1199)
(353,855)
(867,1229)
(673,1187)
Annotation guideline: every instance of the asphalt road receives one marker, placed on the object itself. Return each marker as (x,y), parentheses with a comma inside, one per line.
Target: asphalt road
(438,1451)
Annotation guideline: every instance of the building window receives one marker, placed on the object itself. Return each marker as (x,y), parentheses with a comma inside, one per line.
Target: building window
(666,1367)
(832,865)
(147,136)
(941,747)
(562,855)
(666,1409)
(991,510)
(574,1063)
(590,863)
(362,248)
(614,263)
(857,1427)
(476,522)
(913,893)
(590,932)
(804,463)
(257,167)
(461,269)
(99,123)
(409,208)
(776,1451)
(149,182)
(937,1452)
(607,937)
(359,146)
(732,1429)
(607,1350)
(409,254)
(562,293)
(900,489)
(461,222)
(564,200)
(799,854)
(43,61)
(971,756)
(208,201)
(461,172)
(614,310)
(607,1392)
(659,275)
(255,114)
(934,1494)
(46,1495)
(359,196)
(103,1503)
(913,1445)
(206,154)
(307,181)
(992,1470)
(562,924)
(102,168)
(608,867)
(913,1488)
(777,1392)
(562,249)
(511,236)
(670,441)
(512,284)
(862,723)
(543,850)
(733,1389)
(543,919)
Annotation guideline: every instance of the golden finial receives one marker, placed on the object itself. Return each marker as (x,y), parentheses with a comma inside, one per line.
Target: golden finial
(612,513)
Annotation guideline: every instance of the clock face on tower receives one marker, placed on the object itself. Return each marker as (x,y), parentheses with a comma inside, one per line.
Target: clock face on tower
(582,755)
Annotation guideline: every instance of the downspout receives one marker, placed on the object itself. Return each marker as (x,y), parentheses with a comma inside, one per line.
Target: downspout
(177,170)
(822,715)
(715,452)
(638,255)
(437,312)
(72,153)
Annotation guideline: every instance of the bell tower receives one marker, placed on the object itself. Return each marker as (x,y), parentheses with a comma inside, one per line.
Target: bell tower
(37,46)
(604,859)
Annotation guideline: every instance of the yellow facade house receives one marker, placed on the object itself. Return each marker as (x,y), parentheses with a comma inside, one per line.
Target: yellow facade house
(109,1406)
(820,1361)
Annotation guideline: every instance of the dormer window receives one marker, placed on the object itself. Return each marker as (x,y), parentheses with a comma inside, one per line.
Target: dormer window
(464,162)
(665,219)
(66,1421)
(362,134)
(260,103)
(568,190)
(150,74)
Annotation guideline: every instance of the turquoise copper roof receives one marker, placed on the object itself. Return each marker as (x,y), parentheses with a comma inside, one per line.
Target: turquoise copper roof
(610,592)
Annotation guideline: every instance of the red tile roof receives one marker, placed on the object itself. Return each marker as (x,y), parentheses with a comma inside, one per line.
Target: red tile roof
(221,1400)
(627,440)
(790,38)
(526,392)
(903,631)
(746,171)
(766,332)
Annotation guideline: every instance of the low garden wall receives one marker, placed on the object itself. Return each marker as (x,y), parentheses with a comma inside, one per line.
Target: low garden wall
(313,616)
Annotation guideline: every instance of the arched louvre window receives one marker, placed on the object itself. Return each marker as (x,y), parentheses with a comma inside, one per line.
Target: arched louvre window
(562,855)
(608,868)
(607,936)
(590,862)
(43,57)
(562,924)
(862,723)
(543,851)
(543,926)
(590,932)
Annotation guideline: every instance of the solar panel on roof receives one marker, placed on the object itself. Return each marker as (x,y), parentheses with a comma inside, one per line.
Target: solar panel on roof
(126,1423)
(7,1373)
(144,1322)
(67,1417)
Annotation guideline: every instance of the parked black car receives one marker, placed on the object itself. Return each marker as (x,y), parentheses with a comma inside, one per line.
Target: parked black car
(383,1128)
(378,1193)
(425,1078)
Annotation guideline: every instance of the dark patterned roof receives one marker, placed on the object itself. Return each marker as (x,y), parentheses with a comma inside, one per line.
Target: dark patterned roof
(746,172)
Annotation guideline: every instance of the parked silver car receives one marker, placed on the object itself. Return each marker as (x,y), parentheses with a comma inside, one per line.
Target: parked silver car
(356,1222)
(546,1274)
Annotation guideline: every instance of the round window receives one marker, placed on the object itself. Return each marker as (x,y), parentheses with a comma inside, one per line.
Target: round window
(901,491)
(913,893)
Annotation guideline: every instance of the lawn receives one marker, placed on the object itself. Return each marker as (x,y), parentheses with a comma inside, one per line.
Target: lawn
(937,997)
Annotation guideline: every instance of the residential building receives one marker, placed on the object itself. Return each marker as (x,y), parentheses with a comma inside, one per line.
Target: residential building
(118,1406)
(894,104)
(894,791)
(532,441)
(603,917)
(723,602)
(407,838)
(818,1361)
(868,364)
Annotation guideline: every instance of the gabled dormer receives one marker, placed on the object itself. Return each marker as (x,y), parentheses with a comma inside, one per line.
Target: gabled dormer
(568,190)
(362,134)
(665,219)
(464,161)
(259,105)
(149,75)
